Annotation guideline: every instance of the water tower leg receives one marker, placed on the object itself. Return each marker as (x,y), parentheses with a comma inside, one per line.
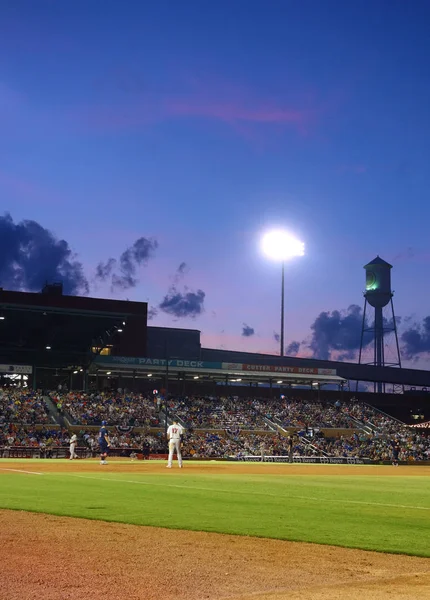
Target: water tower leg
(361,339)
(379,342)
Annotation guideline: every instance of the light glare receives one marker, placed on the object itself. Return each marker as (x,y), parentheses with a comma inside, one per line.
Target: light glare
(280,245)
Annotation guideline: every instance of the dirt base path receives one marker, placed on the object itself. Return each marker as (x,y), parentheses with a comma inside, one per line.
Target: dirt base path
(57,558)
(116,465)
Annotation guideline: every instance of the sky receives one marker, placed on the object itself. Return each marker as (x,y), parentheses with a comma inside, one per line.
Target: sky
(145,148)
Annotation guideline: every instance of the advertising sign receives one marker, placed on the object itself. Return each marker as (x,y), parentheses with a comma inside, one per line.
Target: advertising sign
(16,369)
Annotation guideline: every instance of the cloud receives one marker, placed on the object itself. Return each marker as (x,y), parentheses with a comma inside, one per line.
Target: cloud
(195,98)
(31,255)
(152,313)
(180,273)
(247,331)
(123,273)
(182,268)
(188,304)
(416,339)
(276,337)
(338,331)
(105,270)
(292,349)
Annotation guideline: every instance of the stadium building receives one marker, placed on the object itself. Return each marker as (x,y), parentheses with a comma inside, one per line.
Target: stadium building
(52,339)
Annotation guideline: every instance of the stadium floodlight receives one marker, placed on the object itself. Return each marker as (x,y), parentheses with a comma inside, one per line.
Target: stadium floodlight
(281,246)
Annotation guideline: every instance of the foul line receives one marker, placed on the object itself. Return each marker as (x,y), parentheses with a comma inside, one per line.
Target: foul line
(217,490)
(21,471)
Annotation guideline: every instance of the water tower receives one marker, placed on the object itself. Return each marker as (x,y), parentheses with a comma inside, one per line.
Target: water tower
(378,295)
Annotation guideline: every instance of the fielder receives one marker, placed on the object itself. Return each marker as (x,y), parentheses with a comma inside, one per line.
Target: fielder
(73,444)
(104,443)
(174,433)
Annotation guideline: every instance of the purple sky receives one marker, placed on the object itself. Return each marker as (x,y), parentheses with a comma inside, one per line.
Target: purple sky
(199,125)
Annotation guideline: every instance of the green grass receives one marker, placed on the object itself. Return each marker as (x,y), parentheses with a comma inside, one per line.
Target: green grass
(389,514)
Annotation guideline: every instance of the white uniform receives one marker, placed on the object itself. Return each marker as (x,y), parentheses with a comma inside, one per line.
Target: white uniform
(73,444)
(174,433)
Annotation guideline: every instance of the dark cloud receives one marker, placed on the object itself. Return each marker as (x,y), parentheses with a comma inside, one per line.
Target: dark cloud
(104,270)
(123,273)
(188,304)
(339,331)
(247,331)
(292,349)
(416,339)
(182,268)
(31,255)
(152,313)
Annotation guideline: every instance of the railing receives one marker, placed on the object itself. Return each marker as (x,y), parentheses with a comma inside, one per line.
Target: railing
(308,444)
(63,452)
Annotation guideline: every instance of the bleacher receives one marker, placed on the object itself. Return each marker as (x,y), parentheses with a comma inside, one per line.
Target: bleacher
(216,427)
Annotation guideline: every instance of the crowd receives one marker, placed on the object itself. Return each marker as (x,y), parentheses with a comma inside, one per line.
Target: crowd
(294,412)
(154,443)
(117,408)
(217,412)
(209,445)
(12,435)
(22,406)
(234,426)
(413,447)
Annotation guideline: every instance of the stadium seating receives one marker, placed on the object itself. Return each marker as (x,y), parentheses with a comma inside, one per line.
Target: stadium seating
(216,427)
(22,406)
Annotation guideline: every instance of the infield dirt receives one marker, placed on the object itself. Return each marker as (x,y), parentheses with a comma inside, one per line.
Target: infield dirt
(58,558)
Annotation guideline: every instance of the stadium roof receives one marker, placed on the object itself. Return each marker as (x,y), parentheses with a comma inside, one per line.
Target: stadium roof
(55,330)
(217,371)
(378,261)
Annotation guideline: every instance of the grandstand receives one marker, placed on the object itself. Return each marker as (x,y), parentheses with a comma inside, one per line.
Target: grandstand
(68,363)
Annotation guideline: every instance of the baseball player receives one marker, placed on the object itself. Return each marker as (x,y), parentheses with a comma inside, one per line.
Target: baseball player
(73,444)
(104,443)
(174,433)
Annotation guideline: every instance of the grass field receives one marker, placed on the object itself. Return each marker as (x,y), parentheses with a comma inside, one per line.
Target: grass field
(349,508)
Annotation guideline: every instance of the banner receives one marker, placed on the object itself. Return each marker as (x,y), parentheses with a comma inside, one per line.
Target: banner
(131,361)
(286,369)
(16,369)
(333,460)
(124,428)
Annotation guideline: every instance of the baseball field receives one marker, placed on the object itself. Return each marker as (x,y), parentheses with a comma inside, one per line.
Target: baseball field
(136,530)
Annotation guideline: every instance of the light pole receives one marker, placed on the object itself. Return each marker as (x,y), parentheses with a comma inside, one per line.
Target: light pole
(281,246)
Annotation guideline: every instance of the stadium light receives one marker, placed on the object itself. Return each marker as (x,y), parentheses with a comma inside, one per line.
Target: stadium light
(281,246)
(149,374)
(48,347)
(280,381)
(196,376)
(108,373)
